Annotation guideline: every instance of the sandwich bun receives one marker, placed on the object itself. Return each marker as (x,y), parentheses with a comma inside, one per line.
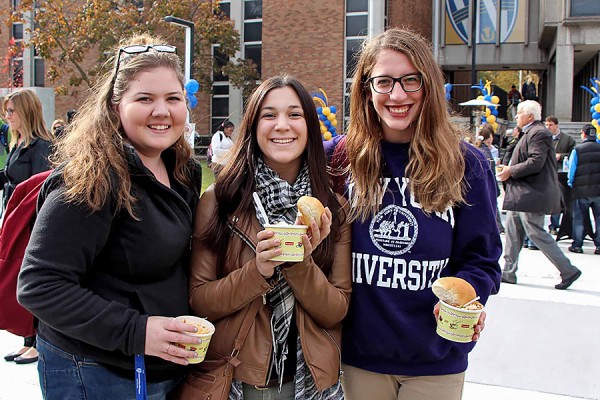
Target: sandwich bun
(310,208)
(453,291)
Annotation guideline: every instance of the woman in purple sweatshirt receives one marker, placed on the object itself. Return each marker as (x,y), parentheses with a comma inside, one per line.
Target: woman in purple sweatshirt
(423,207)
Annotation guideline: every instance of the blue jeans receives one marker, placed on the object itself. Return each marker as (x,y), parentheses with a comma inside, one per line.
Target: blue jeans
(555,221)
(65,376)
(580,207)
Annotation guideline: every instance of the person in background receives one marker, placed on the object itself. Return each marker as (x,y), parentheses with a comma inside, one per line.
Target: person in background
(292,348)
(531,193)
(484,143)
(514,98)
(57,126)
(106,268)
(29,148)
(422,206)
(221,143)
(584,180)
(563,145)
(70,115)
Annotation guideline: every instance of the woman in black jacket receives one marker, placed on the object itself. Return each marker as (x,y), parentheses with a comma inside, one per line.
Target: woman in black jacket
(29,148)
(106,269)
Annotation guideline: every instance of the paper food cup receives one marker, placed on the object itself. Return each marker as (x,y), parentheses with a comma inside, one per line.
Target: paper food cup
(457,324)
(205,332)
(291,241)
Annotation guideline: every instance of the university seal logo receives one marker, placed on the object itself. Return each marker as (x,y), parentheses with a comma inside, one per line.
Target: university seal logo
(394,230)
(487,21)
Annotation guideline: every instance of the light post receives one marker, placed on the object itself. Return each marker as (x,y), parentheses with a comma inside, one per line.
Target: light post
(189,62)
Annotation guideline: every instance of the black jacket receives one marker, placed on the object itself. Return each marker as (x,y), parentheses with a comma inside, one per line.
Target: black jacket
(586,182)
(22,163)
(93,278)
(533,185)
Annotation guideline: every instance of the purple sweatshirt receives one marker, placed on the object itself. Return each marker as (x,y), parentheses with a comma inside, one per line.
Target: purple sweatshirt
(400,252)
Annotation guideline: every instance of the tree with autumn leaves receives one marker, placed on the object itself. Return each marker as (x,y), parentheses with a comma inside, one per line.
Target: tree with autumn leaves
(69,33)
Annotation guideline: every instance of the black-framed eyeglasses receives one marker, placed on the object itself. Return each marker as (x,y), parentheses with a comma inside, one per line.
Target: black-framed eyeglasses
(384,84)
(143,48)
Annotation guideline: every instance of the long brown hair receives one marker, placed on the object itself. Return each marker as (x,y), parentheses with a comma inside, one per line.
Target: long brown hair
(28,107)
(93,147)
(235,183)
(436,166)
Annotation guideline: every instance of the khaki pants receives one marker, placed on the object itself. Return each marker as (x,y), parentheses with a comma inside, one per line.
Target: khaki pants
(360,384)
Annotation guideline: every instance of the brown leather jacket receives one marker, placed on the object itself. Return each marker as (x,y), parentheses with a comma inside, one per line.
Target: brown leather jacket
(321,301)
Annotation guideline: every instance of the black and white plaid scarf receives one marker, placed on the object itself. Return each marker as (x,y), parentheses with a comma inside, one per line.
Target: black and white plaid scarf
(279,199)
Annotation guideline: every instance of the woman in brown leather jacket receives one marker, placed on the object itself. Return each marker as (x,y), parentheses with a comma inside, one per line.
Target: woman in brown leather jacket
(293,346)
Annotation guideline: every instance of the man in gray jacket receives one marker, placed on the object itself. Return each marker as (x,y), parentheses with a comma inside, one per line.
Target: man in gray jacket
(532,192)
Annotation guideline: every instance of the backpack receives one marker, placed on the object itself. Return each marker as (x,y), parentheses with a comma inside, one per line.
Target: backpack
(14,236)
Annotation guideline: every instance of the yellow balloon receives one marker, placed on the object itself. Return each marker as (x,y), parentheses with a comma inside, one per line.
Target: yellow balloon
(595,123)
(327,135)
(495,99)
(495,126)
(334,122)
(488,112)
(323,128)
(326,111)
(479,97)
(491,119)
(331,117)
(597,107)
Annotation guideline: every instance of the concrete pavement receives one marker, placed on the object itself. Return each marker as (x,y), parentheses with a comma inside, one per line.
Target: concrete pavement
(539,343)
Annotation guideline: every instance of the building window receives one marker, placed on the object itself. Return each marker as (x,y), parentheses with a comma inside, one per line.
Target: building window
(252,35)
(17,31)
(39,73)
(357,25)
(219,105)
(585,8)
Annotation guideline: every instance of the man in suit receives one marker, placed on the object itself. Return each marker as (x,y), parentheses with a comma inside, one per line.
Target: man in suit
(531,193)
(563,145)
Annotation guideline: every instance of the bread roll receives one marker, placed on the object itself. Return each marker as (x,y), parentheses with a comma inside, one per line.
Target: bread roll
(310,208)
(453,291)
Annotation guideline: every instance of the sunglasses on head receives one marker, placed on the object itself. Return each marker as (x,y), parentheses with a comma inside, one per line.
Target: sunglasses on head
(143,48)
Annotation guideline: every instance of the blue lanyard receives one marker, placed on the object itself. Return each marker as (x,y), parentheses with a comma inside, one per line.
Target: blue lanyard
(140,378)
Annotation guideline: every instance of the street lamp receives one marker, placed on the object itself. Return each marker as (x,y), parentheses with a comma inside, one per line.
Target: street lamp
(189,43)
(189,64)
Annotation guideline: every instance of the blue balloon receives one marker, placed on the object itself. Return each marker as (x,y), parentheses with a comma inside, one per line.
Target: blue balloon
(333,109)
(595,100)
(320,110)
(592,109)
(192,86)
(193,102)
(487,98)
(332,130)
(323,117)
(483,120)
(595,115)
(327,123)
(495,111)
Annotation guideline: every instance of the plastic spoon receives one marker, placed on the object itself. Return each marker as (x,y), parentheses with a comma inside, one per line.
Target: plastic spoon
(260,207)
(470,302)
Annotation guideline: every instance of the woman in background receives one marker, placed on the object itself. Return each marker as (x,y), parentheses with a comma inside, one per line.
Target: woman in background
(29,147)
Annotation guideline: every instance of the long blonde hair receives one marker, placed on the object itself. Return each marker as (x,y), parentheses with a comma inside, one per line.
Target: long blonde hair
(436,166)
(93,149)
(28,107)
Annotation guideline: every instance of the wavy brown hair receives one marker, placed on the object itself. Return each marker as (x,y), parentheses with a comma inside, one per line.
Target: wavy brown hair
(92,150)
(235,183)
(436,167)
(28,107)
